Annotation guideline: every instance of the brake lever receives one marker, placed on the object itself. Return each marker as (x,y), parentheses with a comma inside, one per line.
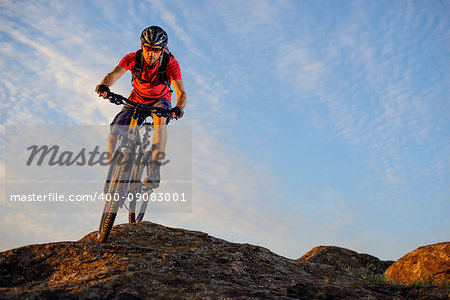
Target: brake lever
(116,100)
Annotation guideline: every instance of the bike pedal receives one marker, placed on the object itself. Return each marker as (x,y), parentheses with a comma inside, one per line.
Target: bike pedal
(146,190)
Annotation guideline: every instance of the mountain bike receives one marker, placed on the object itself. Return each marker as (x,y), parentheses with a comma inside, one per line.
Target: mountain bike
(129,164)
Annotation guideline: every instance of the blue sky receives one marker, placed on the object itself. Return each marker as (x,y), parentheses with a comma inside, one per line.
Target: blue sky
(313,122)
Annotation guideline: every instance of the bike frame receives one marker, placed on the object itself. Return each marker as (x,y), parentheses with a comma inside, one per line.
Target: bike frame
(124,175)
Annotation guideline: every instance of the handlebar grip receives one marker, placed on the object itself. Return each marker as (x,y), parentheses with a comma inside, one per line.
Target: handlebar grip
(114,98)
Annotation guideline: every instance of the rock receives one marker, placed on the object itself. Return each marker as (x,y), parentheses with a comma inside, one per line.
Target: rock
(427,264)
(359,264)
(147,261)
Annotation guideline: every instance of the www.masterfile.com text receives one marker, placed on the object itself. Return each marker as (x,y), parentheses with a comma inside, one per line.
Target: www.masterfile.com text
(57,197)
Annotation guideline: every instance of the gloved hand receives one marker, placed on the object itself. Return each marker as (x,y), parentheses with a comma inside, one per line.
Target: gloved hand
(102,90)
(176,112)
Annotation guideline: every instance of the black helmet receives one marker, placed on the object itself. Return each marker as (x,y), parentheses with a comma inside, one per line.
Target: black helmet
(155,36)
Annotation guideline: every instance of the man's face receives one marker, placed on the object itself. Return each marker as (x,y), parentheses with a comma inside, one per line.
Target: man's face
(151,53)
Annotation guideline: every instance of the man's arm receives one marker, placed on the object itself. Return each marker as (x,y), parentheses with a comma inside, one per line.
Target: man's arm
(111,78)
(181,96)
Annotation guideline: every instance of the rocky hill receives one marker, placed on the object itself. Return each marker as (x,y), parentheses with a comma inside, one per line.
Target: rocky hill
(357,263)
(429,263)
(147,261)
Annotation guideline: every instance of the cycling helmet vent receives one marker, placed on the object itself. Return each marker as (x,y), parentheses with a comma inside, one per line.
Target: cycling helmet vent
(154,36)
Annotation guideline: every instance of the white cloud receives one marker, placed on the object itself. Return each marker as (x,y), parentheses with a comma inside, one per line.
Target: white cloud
(299,66)
(180,32)
(368,89)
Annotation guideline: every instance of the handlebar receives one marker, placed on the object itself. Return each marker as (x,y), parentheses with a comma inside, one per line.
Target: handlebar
(119,100)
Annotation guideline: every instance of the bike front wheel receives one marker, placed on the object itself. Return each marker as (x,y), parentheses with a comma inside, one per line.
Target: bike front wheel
(138,205)
(118,176)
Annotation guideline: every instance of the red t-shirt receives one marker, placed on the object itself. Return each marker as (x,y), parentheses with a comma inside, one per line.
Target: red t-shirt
(153,89)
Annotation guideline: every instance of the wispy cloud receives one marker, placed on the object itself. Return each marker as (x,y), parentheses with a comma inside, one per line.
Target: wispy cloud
(50,68)
(301,68)
(372,88)
(180,32)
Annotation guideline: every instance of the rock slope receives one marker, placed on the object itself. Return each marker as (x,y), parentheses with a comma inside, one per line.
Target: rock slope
(147,261)
(427,264)
(357,263)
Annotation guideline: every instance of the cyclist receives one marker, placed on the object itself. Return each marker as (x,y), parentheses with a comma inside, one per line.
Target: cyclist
(153,69)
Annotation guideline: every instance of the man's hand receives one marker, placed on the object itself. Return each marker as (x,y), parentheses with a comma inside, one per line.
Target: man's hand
(102,90)
(176,113)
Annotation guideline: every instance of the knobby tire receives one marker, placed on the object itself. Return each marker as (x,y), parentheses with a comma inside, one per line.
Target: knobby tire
(120,176)
(144,164)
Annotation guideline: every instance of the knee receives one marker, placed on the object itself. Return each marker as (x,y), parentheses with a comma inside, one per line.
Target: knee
(159,121)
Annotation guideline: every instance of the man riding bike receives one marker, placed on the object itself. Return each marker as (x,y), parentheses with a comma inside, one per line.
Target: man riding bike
(153,69)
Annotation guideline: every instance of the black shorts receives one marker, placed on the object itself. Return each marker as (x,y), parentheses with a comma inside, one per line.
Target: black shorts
(125,115)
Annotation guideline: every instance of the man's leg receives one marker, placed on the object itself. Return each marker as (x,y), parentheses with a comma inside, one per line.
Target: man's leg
(159,141)
(121,120)
(112,141)
(158,147)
